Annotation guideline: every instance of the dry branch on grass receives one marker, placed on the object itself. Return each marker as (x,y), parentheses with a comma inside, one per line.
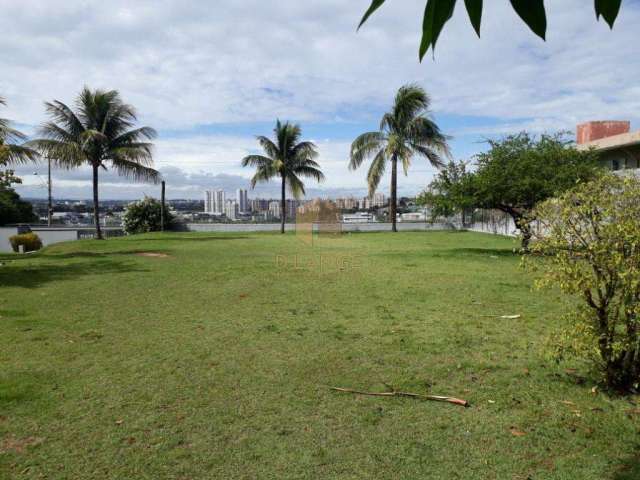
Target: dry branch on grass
(393,393)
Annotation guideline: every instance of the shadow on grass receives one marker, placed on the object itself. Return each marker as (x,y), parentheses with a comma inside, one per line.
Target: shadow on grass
(192,239)
(629,470)
(20,387)
(72,255)
(485,252)
(33,276)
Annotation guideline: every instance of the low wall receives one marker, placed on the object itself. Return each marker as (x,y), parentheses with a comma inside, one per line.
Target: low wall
(51,235)
(238,227)
(346,227)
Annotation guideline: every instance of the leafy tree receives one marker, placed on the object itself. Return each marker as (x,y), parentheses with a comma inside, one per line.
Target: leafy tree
(12,208)
(520,171)
(438,12)
(590,237)
(288,158)
(10,152)
(99,133)
(405,132)
(145,216)
(443,195)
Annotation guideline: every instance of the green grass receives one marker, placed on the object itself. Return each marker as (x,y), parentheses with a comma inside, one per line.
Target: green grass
(215,362)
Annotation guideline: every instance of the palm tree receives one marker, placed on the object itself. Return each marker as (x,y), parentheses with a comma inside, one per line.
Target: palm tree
(99,133)
(10,152)
(405,132)
(287,158)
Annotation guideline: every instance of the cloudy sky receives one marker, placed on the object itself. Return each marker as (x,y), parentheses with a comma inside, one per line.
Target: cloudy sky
(209,76)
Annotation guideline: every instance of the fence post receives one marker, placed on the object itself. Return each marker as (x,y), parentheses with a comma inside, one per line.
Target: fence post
(162,207)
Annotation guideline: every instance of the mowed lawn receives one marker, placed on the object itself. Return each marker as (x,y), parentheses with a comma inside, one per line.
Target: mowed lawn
(214,360)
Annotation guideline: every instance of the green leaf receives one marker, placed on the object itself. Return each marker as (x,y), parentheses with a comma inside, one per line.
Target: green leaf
(436,14)
(474,9)
(375,5)
(533,14)
(608,9)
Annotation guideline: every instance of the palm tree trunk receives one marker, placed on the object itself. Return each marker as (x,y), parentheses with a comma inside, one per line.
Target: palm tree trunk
(96,206)
(393,202)
(283,205)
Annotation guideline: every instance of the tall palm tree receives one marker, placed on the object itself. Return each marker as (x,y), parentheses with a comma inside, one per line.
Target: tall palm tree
(10,152)
(405,132)
(99,133)
(287,158)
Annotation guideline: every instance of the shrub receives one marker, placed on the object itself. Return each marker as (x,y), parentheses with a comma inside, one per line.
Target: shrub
(144,216)
(592,238)
(30,241)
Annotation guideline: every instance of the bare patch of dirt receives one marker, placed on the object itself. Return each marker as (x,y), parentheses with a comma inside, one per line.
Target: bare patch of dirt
(152,255)
(18,445)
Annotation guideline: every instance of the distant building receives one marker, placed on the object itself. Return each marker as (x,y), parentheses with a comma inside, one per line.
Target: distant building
(358,217)
(242,199)
(378,200)
(619,148)
(258,205)
(274,209)
(214,202)
(413,217)
(231,210)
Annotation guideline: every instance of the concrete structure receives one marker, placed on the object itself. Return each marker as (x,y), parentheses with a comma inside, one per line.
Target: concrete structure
(51,235)
(619,148)
(358,217)
(231,210)
(274,209)
(242,198)
(214,202)
(413,217)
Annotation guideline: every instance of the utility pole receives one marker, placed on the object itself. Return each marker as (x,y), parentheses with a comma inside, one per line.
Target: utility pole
(50,209)
(162,207)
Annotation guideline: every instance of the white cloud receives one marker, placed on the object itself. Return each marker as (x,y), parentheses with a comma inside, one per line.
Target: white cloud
(186,63)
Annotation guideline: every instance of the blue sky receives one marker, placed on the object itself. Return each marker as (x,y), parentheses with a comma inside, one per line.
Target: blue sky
(210,76)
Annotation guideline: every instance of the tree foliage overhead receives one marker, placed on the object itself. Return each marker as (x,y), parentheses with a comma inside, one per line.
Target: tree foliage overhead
(438,12)
(590,238)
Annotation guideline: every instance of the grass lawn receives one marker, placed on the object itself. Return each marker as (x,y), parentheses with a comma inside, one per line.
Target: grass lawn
(214,361)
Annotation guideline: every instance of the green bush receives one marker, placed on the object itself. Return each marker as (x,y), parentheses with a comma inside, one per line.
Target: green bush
(144,216)
(30,241)
(589,242)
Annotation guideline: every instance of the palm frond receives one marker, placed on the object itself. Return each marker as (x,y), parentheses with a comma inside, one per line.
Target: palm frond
(309,172)
(376,171)
(296,186)
(365,146)
(17,154)
(304,151)
(263,174)
(135,136)
(8,134)
(67,155)
(135,171)
(270,148)
(433,156)
(63,116)
(411,100)
(256,161)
